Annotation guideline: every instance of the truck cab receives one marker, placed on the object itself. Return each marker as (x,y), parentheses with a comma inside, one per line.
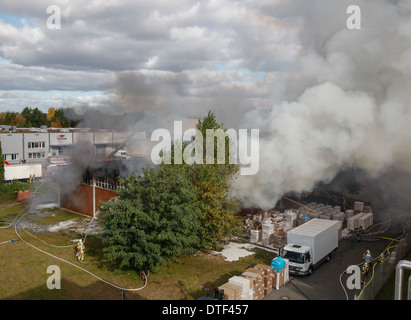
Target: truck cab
(299,257)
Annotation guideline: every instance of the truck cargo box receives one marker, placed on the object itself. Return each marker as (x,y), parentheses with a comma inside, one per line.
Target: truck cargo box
(22,171)
(320,235)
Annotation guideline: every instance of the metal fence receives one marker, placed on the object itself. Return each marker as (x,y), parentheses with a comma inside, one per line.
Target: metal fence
(379,275)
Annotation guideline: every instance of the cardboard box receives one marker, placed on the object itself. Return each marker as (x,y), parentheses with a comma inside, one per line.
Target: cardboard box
(243,283)
(268,277)
(258,287)
(258,276)
(278,278)
(231,291)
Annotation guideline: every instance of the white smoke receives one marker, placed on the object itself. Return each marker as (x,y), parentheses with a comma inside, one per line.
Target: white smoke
(349,106)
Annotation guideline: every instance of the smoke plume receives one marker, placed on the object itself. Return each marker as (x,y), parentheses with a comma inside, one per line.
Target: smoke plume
(348,103)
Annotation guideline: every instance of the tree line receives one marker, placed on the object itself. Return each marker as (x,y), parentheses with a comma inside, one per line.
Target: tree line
(33,117)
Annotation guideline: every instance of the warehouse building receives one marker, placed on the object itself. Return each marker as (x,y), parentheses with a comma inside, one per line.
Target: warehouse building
(37,145)
(99,179)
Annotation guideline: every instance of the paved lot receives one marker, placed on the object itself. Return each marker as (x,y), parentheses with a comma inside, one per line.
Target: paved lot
(324,283)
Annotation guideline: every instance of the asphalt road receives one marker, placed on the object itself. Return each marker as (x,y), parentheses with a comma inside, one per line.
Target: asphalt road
(324,283)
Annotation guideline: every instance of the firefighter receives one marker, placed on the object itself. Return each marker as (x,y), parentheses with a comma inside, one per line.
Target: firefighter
(367,257)
(364,272)
(80,251)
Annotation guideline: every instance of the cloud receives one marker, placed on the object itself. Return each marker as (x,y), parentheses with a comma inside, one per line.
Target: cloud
(347,108)
(325,98)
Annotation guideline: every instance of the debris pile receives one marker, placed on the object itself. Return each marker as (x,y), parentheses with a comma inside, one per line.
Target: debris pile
(269,228)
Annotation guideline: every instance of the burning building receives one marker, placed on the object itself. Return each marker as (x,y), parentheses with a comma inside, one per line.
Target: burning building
(97,183)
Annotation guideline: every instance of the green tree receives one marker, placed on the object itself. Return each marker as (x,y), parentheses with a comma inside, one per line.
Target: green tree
(26,113)
(153,221)
(38,118)
(213,181)
(10,118)
(34,117)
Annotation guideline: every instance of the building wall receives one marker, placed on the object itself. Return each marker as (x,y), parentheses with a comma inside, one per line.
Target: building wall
(15,145)
(81,200)
(36,147)
(12,144)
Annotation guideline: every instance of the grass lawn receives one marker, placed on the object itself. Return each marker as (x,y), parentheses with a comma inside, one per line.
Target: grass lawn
(23,269)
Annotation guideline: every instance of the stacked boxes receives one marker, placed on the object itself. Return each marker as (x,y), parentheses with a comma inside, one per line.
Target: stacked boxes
(365,220)
(352,223)
(255,236)
(268,277)
(280,272)
(348,214)
(278,239)
(257,277)
(338,216)
(358,206)
(246,287)
(267,230)
(232,291)
(279,278)
(367,209)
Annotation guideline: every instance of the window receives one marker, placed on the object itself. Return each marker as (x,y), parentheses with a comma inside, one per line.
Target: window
(10,156)
(32,145)
(37,155)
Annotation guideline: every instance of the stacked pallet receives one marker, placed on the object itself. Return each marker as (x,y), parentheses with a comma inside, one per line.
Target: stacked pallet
(278,239)
(279,278)
(280,272)
(365,220)
(358,206)
(256,276)
(268,277)
(267,230)
(349,213)
(367,209)
(231,291)
(338,216)
(352,223)
(362,219)
(255,236)
(246,285)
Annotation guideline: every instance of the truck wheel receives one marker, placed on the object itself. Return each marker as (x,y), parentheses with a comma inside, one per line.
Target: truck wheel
(310,271)
(328,258)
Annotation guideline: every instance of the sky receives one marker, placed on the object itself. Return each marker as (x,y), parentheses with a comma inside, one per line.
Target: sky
(325,97)
(197,54)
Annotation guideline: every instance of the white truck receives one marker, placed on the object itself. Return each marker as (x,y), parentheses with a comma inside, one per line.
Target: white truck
(310,244)
(22,172)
